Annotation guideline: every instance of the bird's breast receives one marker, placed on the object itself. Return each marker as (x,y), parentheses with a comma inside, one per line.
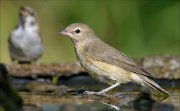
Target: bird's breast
(101,70)
(29,44)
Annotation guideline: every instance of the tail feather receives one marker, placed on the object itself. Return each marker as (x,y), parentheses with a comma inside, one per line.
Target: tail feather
(155,86)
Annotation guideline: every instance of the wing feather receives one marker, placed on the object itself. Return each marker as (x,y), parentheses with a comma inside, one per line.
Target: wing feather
(105,53)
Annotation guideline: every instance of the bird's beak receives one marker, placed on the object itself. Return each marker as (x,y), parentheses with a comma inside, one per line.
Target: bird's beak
(65,32)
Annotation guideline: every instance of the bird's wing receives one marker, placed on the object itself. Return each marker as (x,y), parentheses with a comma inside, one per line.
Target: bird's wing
(13,48)
(105,53)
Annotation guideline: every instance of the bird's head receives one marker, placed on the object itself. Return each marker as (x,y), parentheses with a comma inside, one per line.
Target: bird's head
(78,32)
(27,16)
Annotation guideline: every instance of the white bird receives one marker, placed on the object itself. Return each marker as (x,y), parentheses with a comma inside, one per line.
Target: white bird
(25,42)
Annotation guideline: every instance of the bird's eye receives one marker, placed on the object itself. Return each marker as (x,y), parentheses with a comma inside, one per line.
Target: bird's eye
(77,31)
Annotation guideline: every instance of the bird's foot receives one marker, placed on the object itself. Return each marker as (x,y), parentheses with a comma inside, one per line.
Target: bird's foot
(94,93)
(101,92)
(89,92)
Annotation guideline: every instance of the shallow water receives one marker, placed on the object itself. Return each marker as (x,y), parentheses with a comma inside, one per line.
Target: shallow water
(47,97)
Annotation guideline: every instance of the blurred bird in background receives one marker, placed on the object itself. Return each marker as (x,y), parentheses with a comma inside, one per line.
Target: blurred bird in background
(25,42)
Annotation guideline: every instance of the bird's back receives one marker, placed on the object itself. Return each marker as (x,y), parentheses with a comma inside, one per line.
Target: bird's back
(100,51)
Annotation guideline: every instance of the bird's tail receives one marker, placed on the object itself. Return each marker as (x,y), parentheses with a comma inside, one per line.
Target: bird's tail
(152,84)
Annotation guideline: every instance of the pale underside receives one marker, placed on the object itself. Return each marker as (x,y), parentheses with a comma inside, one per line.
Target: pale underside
(111,74)
(25,45)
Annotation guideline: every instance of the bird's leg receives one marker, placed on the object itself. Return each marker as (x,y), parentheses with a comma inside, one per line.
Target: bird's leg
(109,88)
(104,90)
(37,63)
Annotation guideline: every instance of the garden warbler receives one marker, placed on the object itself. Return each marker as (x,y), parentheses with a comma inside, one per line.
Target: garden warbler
(104,62)
(25,42)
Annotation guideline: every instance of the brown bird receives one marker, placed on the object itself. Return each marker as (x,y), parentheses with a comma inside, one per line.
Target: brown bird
(25,43)
(106,63)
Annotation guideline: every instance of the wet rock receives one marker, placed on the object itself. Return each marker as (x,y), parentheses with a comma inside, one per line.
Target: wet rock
(143,102)
(41,87)
(51,69)
(68,107)
(105,98)
(32,108)
(40,99)
(95,106)
(163,66)
(163,107)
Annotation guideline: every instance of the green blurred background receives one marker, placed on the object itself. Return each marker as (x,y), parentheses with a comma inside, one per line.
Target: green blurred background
(137,28)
